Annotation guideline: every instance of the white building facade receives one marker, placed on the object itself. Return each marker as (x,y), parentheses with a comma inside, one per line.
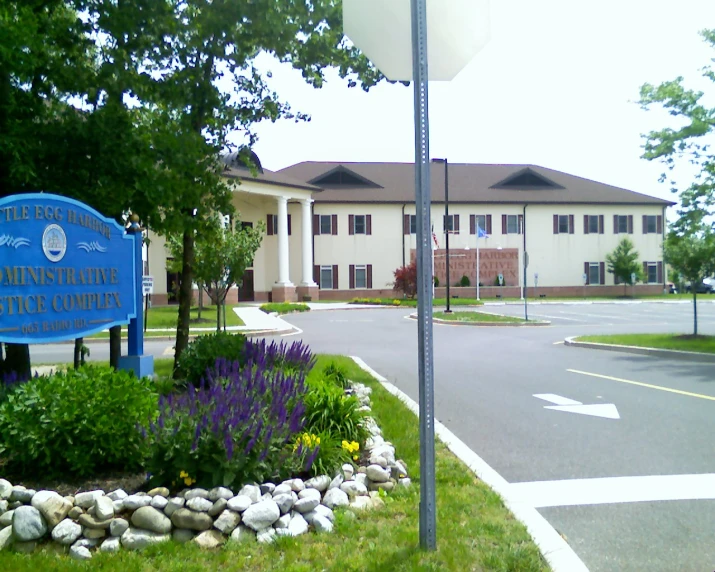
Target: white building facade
(340,230)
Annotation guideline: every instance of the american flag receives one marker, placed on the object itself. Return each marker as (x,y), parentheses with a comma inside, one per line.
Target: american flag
(434,237)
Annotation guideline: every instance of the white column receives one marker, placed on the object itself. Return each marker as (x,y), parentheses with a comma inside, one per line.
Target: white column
(283,254)
(307,243)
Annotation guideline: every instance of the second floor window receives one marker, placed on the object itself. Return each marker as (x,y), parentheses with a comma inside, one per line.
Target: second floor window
(511,224)
(593,224)
(623,224)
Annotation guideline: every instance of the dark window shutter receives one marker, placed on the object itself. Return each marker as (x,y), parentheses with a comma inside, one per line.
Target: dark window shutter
(290,226)
(600,224)
(351,224)
(630,224)
(316,274)
(659,224)
(585,224)
(269,225)
(456,223)
(585,271)
(503,224)
(571,224)
(489,224)
(369,275)
(556,224)
(335,275)
(406,224)
(660,272)
(334,224)
(645,224)
(615,224)
(472,224)
(352,277)
(368,224)
(521,224)
(602,272)
(645,272)
(316,224)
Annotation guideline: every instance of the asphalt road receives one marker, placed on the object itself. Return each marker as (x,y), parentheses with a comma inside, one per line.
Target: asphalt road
(485,382)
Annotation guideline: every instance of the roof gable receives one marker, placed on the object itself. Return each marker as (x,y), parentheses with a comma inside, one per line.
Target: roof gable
(528,180)
(341,176)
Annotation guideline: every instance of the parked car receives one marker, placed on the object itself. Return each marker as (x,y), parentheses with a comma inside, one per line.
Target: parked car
(670,288)
(705,287)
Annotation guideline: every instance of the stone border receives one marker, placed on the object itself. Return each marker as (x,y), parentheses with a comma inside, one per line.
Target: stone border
(557,552)
(530,323)
(655,352)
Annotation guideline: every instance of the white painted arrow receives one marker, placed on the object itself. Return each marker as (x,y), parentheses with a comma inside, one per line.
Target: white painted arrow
(606,410)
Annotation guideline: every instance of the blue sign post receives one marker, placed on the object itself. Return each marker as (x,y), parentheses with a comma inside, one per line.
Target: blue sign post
(67,272)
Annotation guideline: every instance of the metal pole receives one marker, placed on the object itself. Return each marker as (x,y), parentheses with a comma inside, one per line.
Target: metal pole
(447,225)
(477,260)
(428,520)
(526,264)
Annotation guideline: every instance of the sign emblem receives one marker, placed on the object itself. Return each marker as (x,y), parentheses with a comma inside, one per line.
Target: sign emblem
(54,243)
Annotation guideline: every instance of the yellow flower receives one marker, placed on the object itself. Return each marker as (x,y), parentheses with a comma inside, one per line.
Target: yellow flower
(355,457)
(183,474)
(187,481)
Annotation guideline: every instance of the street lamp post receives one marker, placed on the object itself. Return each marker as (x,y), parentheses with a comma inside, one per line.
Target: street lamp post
(478,260)
(447,228)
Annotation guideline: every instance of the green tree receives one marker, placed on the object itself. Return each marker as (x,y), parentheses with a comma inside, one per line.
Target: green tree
(691,252)
(221,256)
(687,142)
(623,264)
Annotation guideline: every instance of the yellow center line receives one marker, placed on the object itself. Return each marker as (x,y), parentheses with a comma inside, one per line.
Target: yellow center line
(648,385)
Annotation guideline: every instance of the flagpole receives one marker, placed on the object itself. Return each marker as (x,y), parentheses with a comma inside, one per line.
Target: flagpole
(477,262)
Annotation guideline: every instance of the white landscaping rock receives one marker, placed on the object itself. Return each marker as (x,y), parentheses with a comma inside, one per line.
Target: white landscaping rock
(136,539)
(86,500)
(28,524)
(133,502)
(118,495)
(5,489)
(306,504)
(112,544)
(336,482)
(199,504)
(66,532)
(353,488)
(297,525)
(21,494)
(267,488)
(5,538)
(52,506)
(362,479)
(361,503)
(335,498)
(210,539)
(6,518)
(220,493)
(196,494)
(377,474)
(182,535)
(159,502)
(227,521)
(173,505)
(323,510)
(104,508)
(80,553)
(118,526)
(239,503)
(285,503)
(266,536)
(319,483)
(348,471)
(252,492)
(261,515)
(322,524)
(282,489)
(282,522)
(243,534)
(310,494)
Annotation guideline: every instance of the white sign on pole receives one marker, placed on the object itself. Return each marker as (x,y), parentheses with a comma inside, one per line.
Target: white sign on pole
(148,284)
(585,278)
(633,277)
(501,279)
(536,278)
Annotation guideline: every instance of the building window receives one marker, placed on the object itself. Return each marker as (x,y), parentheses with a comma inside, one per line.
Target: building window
(623,224)
(652,224)
(652,273)
(272,225)
(326,277)
(413,224)
(594,273)
(451,223)
(563,224)
(326,226)
(593,224)
(512,224)
(361,276)
(360,224)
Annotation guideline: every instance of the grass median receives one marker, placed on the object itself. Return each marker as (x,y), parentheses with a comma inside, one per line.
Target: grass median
(685,343)
(474,529)
(478,317)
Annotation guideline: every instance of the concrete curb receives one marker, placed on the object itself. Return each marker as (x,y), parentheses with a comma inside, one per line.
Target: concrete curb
(191,336)
(486,324)
(655,352)
(560,556)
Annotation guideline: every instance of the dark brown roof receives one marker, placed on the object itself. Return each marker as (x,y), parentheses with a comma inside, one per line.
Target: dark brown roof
(268,177)
(468,183)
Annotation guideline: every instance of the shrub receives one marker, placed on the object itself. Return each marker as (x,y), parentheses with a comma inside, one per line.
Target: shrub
(295,358)
(464,282)
(284,308)
(329,410)
(406,279)
(78,423)
(202,353)
(436,282)
(238,426)
(336,374)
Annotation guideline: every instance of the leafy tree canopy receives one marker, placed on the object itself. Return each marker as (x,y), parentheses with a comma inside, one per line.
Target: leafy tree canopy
(623,262)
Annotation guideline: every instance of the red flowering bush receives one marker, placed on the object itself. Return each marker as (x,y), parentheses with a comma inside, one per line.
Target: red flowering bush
(406,280)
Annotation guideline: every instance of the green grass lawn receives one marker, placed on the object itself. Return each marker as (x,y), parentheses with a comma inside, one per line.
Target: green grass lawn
(284,307)
(475,530)
(686,343)
(477,317)
(166,316)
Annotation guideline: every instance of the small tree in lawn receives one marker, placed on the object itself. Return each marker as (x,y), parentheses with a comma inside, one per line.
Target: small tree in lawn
(221,257)
(406,279)
(691,253)
(623,263)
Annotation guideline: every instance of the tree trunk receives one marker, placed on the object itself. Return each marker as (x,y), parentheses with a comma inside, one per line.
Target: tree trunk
(185,294)
(77,360)
(218,316)
(115,346)
(17,359)
(201,300)
(695,312)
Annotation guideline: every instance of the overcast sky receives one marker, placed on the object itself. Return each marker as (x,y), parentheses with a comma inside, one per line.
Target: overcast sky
(555,87)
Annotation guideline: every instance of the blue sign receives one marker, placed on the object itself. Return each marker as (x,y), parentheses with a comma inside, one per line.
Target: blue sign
(66,271)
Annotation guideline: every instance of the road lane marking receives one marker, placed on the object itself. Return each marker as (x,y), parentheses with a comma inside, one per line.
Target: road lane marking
(556,399)
(612,490)
(607,410)
(558,343)
(648,385)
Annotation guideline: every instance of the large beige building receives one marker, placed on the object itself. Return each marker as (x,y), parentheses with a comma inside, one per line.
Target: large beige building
(339,230)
